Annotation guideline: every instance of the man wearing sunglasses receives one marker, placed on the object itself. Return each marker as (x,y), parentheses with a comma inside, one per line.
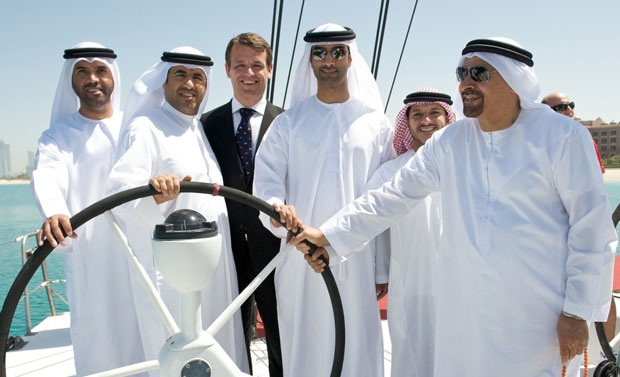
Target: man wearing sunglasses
(527,249)
(317,156)
(561,103)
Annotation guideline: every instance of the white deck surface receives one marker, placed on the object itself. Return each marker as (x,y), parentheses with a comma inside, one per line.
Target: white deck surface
(259,354)
(49,352)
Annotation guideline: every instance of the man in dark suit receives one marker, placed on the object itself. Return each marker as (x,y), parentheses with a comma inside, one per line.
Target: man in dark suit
(235,131)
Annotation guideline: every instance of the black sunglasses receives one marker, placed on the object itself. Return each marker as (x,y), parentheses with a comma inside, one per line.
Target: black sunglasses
(338,53)
(563,106)
(478,74)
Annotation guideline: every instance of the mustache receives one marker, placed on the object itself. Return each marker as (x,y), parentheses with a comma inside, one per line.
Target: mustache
(92,85)
(428,125)
(470,91)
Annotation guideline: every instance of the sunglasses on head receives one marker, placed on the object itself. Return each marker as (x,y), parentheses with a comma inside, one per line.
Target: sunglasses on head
(478,74)
(563,106)
(338,53)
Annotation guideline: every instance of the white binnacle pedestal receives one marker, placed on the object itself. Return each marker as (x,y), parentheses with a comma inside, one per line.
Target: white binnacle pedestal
(187,249)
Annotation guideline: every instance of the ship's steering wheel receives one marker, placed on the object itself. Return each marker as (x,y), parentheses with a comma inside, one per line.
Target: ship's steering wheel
(106,204)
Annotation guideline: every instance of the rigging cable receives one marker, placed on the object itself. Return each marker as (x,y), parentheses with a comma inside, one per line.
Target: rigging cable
(290,67)
(374,52)
(385,14)
(400,58)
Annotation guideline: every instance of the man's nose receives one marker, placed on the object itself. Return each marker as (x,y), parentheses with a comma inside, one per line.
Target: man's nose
(93,77)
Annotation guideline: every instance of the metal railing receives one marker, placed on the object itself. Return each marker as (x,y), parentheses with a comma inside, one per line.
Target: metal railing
(46,283)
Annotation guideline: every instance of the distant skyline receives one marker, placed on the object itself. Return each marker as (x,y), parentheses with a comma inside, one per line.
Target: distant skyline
(574,45)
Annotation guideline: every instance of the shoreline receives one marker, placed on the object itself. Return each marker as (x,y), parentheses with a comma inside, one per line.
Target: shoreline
(14,181)
(610,175)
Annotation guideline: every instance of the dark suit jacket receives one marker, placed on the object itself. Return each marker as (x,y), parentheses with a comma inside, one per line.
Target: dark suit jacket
(244,222)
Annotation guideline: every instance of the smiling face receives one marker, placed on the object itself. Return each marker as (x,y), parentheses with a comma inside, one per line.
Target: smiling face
(185,88)
(248,72)
(93,83)
(424,120)
(493,102)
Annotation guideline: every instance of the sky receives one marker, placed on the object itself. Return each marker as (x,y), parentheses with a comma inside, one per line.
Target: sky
(575,46)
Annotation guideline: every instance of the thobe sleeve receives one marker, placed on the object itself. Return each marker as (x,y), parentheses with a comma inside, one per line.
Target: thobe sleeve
(270,172)
(592,238)
(50,178)
(357,223)
(382,257)
(388,151)
(134,168)
(383,245)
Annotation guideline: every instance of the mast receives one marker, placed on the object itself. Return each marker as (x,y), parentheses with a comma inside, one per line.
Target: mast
(276,27)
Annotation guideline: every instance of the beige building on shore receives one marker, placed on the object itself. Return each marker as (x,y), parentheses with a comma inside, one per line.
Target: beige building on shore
(606,135)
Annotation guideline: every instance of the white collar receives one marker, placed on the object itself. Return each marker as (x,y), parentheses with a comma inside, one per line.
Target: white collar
(258,107)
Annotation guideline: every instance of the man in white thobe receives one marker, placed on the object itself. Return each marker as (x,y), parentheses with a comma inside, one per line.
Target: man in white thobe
(562,104)
(527,246)
(414,241)
(163,139)
(317,156)
(74,156)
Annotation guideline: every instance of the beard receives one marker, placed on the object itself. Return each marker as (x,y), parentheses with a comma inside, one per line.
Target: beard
(334,77)
(473,109)
(94,102)
(90,100)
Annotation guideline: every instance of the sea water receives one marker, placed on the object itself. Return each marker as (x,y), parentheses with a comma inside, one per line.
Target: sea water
(613,194)
(19,215)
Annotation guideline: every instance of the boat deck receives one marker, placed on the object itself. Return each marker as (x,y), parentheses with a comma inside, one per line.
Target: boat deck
(261,365)
(49,352)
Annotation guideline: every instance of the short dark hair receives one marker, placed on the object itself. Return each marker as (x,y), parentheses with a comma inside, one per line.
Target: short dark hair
(252,40)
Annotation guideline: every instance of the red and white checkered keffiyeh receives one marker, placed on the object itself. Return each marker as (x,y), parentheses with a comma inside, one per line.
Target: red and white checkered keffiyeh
(402,136)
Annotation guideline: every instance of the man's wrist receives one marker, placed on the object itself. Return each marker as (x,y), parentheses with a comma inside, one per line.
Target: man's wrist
(572,316)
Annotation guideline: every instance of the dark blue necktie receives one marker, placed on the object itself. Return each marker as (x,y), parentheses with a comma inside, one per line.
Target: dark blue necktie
(244,142)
